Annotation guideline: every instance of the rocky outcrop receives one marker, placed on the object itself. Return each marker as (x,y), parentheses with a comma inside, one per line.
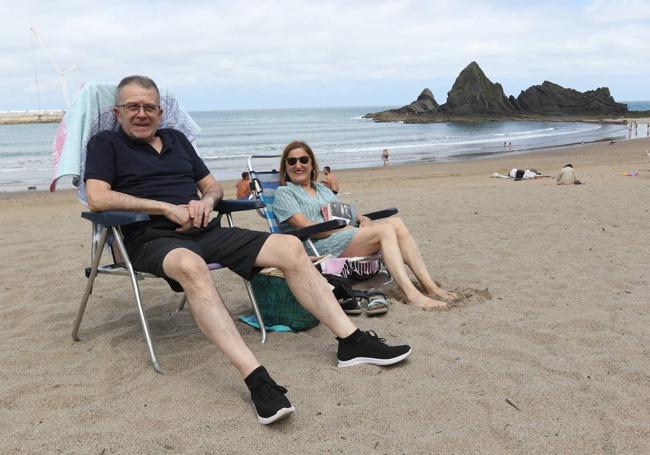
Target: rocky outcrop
(425,103)
(474,97)
(550,98)
(474,94)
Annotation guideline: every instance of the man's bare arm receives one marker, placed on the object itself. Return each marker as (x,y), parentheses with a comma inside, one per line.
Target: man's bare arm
(334,184)
(101,197)
(210,189)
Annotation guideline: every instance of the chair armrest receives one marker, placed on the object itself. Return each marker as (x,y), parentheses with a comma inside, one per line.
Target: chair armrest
(237,205)
(381,213)
(114,217)
(308,231)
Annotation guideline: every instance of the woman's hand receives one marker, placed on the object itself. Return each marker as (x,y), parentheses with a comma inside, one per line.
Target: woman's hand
(364,221)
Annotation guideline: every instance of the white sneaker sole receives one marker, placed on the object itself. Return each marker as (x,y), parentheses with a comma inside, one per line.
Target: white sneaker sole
(281,414)
(373,361)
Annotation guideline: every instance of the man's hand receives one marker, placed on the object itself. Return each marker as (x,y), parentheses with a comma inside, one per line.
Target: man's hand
(180,215)
(200,211)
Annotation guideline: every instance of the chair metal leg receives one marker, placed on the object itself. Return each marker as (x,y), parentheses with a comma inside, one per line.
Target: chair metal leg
(256,310)
(136,294)
(96,257)
(249,290)
(182,304)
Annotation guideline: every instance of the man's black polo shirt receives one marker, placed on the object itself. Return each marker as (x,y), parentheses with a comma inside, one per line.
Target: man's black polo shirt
(136,168)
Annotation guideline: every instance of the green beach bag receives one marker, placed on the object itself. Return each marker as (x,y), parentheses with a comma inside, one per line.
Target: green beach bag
(277,304)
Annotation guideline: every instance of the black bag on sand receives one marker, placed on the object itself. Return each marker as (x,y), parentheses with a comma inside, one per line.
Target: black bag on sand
(343,289)
(350,299)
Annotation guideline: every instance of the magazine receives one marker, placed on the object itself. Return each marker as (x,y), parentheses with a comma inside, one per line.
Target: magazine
(337,211)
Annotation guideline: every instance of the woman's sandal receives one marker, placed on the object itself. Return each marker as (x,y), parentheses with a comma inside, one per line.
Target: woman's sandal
(376,306)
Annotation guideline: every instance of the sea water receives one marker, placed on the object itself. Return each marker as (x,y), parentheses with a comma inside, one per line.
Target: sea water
(340,137)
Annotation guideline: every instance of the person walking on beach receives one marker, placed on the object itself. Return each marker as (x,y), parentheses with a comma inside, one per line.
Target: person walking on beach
(243,186)
(330,180)
(157,171)
(384,156)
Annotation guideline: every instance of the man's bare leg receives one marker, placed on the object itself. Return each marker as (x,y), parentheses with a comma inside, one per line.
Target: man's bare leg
(307,285)
(313,292)
(207,307)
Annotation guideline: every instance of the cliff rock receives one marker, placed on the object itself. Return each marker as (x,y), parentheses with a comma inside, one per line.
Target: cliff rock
(474,94)
(425,104)
(474,97)
(550,98)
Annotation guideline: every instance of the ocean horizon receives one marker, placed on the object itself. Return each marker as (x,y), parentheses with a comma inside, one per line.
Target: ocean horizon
(340,137)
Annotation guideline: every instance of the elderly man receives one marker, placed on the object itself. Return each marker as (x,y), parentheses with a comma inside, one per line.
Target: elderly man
(157,171)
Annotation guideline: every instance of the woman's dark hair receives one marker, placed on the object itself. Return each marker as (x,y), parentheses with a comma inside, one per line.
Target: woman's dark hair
(284,178)
(568,165)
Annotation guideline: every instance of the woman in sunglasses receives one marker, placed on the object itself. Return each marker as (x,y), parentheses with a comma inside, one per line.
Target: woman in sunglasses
(298,202)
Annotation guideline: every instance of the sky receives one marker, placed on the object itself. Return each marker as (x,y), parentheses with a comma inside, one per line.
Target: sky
(259,54)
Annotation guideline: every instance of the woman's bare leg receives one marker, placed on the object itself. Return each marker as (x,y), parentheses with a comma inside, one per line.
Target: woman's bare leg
(413,258)
(383,236)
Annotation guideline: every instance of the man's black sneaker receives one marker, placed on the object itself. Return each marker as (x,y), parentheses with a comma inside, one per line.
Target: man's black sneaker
(268,397)
(367,348)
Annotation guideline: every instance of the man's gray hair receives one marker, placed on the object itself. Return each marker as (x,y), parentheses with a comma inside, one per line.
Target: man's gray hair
(142,81)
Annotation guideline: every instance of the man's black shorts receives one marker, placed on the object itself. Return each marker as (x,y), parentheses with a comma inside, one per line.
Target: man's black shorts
(234,248)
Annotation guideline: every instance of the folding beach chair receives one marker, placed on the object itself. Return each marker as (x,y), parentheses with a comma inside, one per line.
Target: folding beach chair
(90,113)
(360,268)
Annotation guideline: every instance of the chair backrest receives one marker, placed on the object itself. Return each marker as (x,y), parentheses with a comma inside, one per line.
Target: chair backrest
(264,185)
(92,112)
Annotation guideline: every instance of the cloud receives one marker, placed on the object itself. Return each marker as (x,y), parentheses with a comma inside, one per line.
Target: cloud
(264,51)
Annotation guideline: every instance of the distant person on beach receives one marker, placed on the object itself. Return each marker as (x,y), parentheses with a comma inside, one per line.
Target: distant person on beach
(385,156)
(157,171)
(243,186)
(567,176)
(330,180)
(523,174)
(298,201)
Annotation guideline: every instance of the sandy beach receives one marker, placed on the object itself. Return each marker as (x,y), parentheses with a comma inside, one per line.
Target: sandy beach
(556,361)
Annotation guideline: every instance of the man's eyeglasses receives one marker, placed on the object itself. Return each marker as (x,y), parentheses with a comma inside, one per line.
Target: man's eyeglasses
(134,108)
(292,161)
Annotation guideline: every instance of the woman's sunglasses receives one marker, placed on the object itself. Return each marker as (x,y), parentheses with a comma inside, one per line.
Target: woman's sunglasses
(292,161)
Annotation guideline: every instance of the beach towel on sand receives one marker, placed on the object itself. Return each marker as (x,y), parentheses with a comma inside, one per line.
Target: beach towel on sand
(253,322)
(92,112)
